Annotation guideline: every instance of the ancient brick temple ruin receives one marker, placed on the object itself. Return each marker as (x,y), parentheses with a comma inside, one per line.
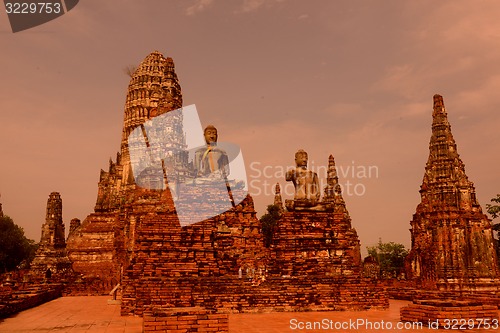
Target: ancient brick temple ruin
(452,241)
(220,264)
(51,262)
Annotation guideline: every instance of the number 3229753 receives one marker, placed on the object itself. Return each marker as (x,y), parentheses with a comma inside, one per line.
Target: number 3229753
(33,8)
(463,324)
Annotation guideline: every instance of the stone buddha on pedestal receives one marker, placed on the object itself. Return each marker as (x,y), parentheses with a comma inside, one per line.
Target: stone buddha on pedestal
(307,189)
(210,162)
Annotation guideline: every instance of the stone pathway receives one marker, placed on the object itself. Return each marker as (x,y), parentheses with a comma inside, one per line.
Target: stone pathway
(93,314)
(73,314)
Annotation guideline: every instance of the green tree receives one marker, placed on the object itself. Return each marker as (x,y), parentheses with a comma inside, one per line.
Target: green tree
(269,221)
(15,248)
(390,256)
(494,211)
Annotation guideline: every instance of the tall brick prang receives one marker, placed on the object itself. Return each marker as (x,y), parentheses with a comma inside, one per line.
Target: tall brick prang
(102,244)
(452,240)
(153,90)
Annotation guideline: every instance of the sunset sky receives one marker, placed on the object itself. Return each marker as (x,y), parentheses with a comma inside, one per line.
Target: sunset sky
(350,78)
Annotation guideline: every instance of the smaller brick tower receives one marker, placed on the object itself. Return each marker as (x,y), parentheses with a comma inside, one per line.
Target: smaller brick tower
(51,261)
(452,241)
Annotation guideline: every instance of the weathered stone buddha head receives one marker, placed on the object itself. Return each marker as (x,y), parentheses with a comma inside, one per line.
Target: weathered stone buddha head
(210,134)
(301,158)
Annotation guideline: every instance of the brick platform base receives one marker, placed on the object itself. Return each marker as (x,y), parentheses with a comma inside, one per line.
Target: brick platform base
(233,295)
(184,320)
(12,302)
(447,313)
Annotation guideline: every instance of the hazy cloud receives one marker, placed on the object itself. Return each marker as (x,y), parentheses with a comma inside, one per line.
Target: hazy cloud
(251,5)
(198,7)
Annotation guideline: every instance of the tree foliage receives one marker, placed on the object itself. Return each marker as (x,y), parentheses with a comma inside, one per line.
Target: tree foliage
(15,248)
(390,256)
(269,221)
(494,210)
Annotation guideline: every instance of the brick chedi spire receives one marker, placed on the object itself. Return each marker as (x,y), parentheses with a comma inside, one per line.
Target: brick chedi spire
(53,228)
(51,260)
(332,181)
(452,241)
(278,200)
(445,179)
(333,191)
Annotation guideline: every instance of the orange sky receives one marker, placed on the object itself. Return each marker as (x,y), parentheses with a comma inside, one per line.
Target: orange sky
(350,78)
